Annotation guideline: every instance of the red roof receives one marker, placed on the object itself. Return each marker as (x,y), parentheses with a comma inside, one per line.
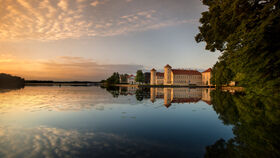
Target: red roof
(129,76)
(160,74)
(153,69)
(208,70)
(185,72)
(167,66)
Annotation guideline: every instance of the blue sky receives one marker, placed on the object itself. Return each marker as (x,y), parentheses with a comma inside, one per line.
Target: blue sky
(90,39)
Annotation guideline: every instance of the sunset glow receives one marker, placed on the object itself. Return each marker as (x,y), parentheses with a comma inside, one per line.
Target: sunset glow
(90,39)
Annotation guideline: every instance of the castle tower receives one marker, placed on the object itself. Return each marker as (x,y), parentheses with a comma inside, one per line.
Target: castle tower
(153,77)
(167,74)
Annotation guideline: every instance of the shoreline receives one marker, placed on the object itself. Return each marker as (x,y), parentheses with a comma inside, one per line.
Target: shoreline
(62,84)
(226,88)
(179,86)
(161,86)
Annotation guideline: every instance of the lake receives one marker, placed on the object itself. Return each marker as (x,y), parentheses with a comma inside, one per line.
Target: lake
(46,121)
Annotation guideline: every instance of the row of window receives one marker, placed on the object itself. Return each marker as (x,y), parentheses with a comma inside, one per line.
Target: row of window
(188,76)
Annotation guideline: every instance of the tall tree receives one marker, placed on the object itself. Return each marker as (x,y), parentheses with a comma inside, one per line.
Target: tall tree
(123,78)
(139,76)
(114,79)
(247,33)
(221,74)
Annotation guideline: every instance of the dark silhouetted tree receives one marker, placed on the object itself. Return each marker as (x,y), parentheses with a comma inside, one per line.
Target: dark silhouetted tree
(9,81)
(139,76)
(114,79)
(247,33)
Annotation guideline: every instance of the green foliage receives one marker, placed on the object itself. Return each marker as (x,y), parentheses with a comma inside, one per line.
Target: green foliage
(247,33)
(139,76)
(256,125)
(221,74)
(123,78)
(114,79)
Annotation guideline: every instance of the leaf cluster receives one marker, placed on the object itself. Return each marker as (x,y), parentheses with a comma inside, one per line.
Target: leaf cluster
(247,34)
(139,76)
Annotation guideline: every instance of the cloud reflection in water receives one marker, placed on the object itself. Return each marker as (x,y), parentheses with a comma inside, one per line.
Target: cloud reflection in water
(54,142)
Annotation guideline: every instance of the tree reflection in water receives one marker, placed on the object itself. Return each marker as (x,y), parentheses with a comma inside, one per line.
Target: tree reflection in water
(140,93)
(114,90)
(256,125)
(255,119)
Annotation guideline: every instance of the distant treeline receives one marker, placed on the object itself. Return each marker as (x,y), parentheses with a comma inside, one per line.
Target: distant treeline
(9,81)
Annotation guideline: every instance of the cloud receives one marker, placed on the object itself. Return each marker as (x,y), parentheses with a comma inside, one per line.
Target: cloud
(62,19)
(95,3)
(63,68)
(63,4)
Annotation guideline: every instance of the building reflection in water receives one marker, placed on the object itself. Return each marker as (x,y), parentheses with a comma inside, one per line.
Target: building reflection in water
(169,95)
(180,95)
(127,90)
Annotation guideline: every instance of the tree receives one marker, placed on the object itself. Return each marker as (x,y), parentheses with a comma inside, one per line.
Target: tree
(247,33)
(9,81)
(123,78)
(139,76)
(114,79)
(221,74)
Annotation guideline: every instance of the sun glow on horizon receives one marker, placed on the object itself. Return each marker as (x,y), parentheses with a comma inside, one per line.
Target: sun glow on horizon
(61,68)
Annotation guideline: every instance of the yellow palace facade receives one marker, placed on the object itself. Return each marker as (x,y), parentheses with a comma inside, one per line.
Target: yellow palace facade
(180,77)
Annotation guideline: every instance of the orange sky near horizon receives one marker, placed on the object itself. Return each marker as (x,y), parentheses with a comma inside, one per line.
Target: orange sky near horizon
(62,68)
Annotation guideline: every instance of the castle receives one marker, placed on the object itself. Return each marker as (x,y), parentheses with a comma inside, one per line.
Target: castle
(180,77)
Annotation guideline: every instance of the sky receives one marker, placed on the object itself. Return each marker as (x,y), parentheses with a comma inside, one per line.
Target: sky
(91,39)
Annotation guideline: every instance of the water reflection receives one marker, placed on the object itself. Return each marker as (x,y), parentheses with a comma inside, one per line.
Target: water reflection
(34,99)
(60,143)
(5,90)
(180,95)
(256,121)
(93,122)
(169,95)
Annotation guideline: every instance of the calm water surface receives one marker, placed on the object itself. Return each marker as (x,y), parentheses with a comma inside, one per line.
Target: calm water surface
(117,122)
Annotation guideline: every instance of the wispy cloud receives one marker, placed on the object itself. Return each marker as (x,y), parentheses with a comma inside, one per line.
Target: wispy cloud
(63,4)
(62,19)
(63,68)
(95,3)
